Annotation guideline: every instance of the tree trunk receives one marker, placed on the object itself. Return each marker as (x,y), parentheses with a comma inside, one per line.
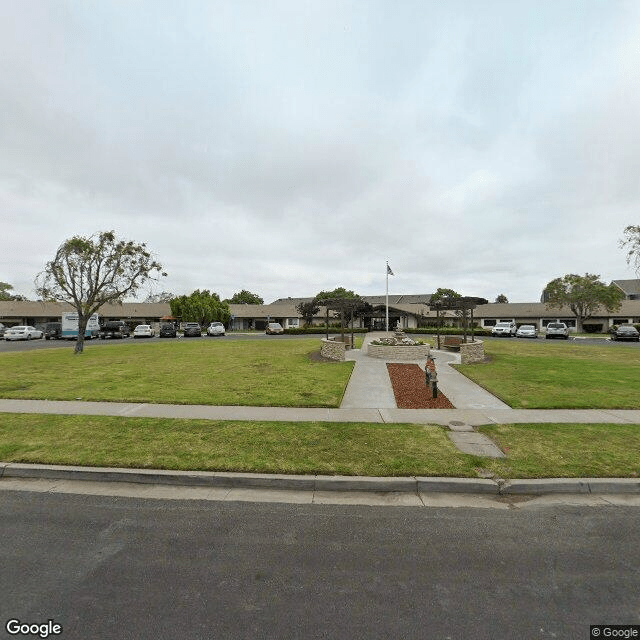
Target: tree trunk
(82,327)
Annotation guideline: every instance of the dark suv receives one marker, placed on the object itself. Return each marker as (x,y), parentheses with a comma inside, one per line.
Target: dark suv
(191,329)
(168,331)
(115,329)
(53,331)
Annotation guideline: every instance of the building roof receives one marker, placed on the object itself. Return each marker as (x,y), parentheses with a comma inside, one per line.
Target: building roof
(630,287)
(522,310)
(15,308)
(273,310)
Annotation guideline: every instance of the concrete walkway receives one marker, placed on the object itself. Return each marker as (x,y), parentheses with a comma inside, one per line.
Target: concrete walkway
(370,386)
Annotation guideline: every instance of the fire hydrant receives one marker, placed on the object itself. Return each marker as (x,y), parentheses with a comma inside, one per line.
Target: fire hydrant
(431,376)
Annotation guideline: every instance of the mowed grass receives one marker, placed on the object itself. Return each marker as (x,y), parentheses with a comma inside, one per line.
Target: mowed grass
(276,373)
(236,446)
(533,450)
(559,375)
(565,450)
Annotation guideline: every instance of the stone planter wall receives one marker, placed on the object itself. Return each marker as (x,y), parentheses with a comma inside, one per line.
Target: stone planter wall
(332,349)
(472,352)
(395,353)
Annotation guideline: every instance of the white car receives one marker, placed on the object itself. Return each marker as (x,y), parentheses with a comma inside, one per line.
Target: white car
(504,329)
(215,329)
(557,330)
(143,331)
(22,332)
(527,331)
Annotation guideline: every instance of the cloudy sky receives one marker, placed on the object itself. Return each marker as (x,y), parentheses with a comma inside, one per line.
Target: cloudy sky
(292,146)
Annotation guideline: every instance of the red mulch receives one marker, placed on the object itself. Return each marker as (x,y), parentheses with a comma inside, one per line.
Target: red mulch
(410,390)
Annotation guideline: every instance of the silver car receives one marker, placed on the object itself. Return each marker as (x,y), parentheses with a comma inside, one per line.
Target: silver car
(22,332)
(527,331)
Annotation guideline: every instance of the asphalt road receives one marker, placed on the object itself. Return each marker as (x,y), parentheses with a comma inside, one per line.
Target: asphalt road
(119,568)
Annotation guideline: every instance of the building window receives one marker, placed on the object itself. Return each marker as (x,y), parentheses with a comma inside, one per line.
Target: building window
(489,322)
(620,320)
(293,322)
(570,322)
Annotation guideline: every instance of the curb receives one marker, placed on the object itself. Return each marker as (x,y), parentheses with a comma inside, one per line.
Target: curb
(414,485)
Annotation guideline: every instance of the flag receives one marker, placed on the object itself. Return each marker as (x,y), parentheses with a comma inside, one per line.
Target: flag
(389,272)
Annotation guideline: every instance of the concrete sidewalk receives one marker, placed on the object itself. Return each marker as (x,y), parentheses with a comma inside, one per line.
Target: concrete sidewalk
(473,417)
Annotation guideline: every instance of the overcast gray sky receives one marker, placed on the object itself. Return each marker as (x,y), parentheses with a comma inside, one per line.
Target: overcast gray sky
(292,146)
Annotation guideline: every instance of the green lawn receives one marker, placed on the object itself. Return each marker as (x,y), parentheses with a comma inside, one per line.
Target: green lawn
(533,450)
(254,373)
(560,375)
(261,447)
(565,450)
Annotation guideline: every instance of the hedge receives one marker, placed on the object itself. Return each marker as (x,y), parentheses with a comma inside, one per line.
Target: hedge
(449,331)
(322,330)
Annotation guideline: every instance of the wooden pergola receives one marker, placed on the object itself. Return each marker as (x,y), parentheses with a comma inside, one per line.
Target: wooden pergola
(463,304)
(344,306)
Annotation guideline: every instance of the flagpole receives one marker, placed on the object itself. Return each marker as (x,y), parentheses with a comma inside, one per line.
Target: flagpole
(387,301)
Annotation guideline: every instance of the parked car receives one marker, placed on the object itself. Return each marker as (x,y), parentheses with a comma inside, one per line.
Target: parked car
(527,331)
(168,331)
(143,331)
(504,329)
(191,329)
(274,328)
(557,330)
(115,329)
(53,331)
(626,332)
(22,332)
(215,329)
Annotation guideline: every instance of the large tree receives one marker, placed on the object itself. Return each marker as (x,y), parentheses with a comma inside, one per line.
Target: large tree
(5,289)
(501,299)
(202,307)
(345,302)
(163,296)
(631,243)
(338,292)
(88,272)
(584,295)
(443,294)
(245,297)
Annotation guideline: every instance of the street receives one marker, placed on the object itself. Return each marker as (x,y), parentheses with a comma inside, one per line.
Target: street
(113,567)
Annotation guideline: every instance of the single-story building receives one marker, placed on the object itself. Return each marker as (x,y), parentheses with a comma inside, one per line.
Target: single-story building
(14,312)
(411,311)
(539,315)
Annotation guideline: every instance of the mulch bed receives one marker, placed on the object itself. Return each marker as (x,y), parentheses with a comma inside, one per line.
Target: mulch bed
(410,390)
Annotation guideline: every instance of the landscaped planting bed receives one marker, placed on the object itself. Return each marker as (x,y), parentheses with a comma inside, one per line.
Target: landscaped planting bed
(410,390)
